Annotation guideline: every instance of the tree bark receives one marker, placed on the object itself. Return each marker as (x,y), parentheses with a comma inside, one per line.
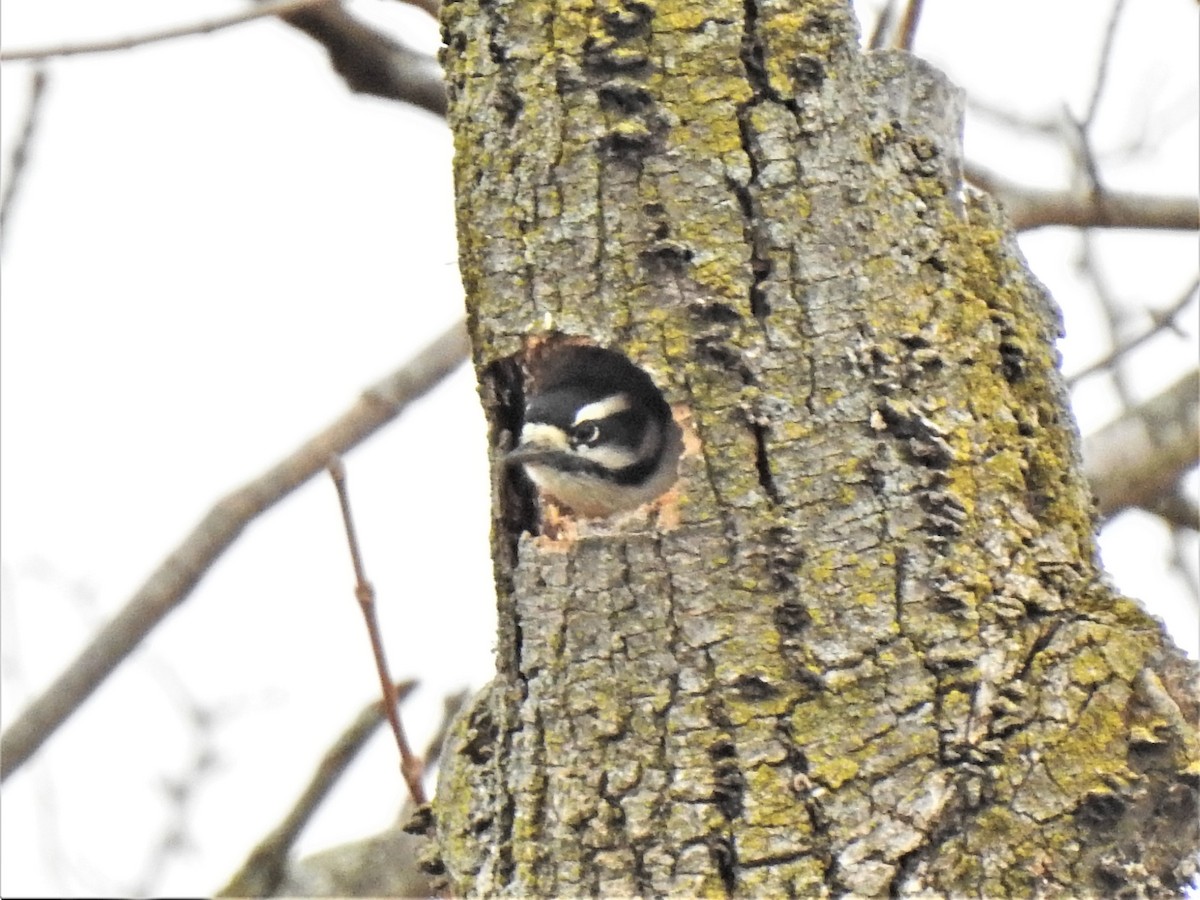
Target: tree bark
(867,647)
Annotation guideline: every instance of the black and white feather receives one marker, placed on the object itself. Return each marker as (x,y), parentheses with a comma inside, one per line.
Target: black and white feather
(597,437)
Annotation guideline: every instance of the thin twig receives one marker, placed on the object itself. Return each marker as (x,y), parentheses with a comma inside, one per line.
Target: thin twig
(882,32)
(20,153)
(264,869)
(1162,322)
(1115,314)
(908,25)
(1090,167)
(274,8)
(180,794)
(1048,127)
(1088,164)
(1030,208)
(1110,33)
(411,766)
(173,580)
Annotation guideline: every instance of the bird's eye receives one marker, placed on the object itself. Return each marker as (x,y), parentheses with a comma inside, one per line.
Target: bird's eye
(588,434)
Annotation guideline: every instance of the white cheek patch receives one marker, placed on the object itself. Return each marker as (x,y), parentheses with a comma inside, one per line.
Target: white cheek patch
(608,455)
(548,436)
(602,409)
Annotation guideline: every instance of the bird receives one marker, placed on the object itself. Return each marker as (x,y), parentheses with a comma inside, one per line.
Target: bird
(597,435)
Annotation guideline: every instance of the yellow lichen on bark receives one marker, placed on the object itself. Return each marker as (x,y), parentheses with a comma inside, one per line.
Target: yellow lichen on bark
(873,651)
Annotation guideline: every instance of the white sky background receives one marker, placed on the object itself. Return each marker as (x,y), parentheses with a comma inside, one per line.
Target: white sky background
(215,249)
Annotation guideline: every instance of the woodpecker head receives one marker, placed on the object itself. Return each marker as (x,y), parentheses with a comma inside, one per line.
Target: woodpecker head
(598,437)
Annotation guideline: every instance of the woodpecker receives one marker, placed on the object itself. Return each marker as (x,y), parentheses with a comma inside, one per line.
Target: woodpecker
(598,436)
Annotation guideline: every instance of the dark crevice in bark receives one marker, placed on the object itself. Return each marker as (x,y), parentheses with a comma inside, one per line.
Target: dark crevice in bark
(724,857)
(753,687)
(729,786)
(783,564)
(484,734)
(514,509)
(905,866)
(762,462)
(791,618)
(507,813)
(618,59)
(1040,643)
(753,56)
(760,267)
(641,875)
(752,60)
(509,104)
(625,97)
(631,19)
(504,404)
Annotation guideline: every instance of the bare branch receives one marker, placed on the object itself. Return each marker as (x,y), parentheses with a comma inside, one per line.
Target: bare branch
(1081,149)
(1138,459)
(369,61)
(1113,314)
(372,63)
(884,24)
(273,8)
(893,30)
(386,864)
(175,577)
(908,25)
(1030,208)
(1183,551)
(410,766)
(20,153)
(1162,322)
(1048,127)
(1179,511)
(264,869)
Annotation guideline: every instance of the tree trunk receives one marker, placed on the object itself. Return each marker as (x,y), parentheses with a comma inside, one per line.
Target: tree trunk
(867,648)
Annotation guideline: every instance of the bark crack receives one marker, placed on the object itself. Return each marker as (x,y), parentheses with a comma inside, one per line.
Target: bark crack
(752,61)
(762,462)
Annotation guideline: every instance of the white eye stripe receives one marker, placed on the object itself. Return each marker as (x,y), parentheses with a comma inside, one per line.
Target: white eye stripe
(608,456)
(602,409)
(545,435)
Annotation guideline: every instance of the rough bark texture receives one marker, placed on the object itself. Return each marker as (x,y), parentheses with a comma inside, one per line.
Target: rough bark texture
(872,651)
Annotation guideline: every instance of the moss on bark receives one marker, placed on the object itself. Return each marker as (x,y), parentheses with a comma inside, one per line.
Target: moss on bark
(872,651)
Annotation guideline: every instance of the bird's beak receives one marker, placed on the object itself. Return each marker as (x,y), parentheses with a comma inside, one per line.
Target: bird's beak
(531,453)
(540,443)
